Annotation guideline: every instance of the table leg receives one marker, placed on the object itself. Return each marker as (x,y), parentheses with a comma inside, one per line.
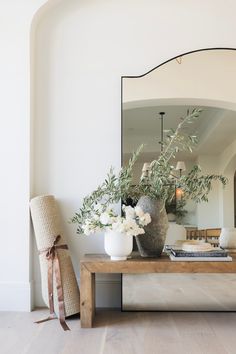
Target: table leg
(87,297)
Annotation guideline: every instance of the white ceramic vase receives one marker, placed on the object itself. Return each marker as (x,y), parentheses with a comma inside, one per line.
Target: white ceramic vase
(118,245)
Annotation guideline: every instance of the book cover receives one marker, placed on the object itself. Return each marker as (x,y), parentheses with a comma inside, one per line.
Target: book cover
(213,253)
(200,259)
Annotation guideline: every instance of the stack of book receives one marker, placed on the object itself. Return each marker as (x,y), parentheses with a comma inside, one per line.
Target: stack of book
(215,255)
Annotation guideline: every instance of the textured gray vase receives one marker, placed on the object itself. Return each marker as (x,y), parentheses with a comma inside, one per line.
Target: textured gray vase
(152,242)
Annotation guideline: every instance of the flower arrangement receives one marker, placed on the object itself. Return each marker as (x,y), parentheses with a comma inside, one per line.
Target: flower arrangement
(131,223)
(159,183)
(114,189)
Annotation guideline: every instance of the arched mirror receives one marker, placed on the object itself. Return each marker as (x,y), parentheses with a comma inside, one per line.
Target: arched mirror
(153,103)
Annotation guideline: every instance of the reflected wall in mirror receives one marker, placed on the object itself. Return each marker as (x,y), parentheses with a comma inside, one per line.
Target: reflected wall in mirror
(201,79)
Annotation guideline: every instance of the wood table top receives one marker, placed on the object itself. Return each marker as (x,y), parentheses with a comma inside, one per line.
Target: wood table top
(100,263)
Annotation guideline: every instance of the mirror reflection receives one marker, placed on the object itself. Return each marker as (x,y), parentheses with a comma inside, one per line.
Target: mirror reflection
(199,81)
(203,79)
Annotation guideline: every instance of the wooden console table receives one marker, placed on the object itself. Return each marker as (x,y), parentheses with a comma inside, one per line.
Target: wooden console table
(93,264)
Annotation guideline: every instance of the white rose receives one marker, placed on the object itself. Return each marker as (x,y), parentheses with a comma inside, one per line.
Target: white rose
(139,211)
(148,218)
(135,231)
(119,219)
(104,218)
(129,212)
(140,231)
(145,219)
(118,226)
(129,224)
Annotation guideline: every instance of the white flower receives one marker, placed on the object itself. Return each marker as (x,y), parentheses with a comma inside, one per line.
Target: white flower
(128,223)
(129,212)
(139,231)
(131,227)
(135,231)
(145,219)
(104,218)
(118,226)
(139,211)
(96,217)
(107,219)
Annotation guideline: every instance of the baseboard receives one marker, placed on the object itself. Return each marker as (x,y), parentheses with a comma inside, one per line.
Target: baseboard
(108,293)
(15,296)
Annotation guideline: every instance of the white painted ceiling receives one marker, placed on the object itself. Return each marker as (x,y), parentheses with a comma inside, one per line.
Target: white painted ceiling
(215,128)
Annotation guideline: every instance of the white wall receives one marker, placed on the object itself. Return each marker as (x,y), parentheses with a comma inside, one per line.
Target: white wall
(15,269)
(208,213)
(82,49)
(227,163)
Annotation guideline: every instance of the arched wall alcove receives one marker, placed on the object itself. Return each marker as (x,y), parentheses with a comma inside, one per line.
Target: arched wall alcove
(127,39)
(15,261)
(80,51)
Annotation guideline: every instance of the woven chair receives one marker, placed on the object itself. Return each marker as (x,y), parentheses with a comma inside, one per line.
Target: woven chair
(212,236)
(195,234)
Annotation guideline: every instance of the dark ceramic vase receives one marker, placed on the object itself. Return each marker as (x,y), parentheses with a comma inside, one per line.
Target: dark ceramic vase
(151,243)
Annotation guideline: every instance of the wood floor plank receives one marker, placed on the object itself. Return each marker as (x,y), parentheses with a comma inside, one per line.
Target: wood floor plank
(181,292)
(84,340)
(16,332)
(201,344)
(191,323)
(224,325)
(138,333)
(118,332)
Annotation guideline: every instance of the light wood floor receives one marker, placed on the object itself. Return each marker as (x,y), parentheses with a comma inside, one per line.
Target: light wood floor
(185,292)
(120,333)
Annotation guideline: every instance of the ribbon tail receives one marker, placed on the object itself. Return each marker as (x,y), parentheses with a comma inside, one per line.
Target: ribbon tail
(64,325)
(60,296)
(50,286)
(50,293)
(54,266)
(49,318)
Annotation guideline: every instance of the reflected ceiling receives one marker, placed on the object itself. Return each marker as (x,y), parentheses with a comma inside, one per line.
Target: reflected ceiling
(215,128)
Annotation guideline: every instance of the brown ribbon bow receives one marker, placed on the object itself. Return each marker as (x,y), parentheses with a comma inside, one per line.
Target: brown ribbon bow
(54,265)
